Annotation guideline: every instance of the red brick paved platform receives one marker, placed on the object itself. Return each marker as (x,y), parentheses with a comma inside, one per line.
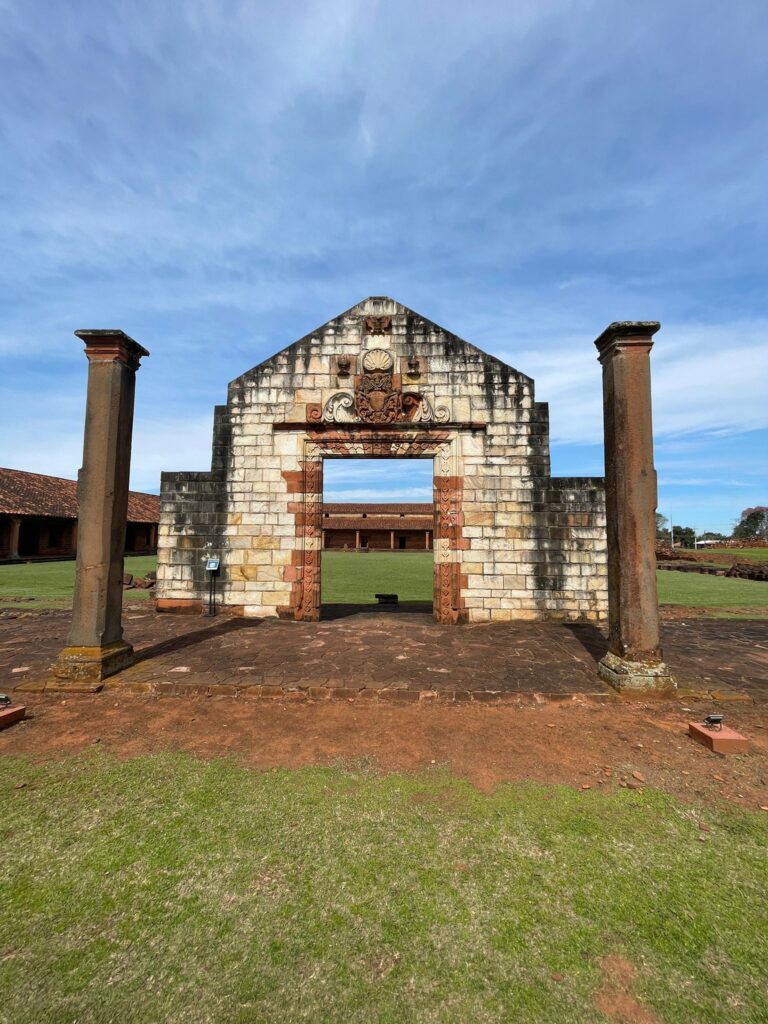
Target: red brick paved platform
(389,655)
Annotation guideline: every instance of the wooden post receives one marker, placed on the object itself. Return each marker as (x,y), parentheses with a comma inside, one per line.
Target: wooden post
(13,540)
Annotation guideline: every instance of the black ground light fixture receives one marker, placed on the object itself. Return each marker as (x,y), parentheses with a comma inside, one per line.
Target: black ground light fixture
(714,721)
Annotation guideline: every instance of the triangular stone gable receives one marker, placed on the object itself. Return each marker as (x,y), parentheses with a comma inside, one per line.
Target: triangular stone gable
(410,327)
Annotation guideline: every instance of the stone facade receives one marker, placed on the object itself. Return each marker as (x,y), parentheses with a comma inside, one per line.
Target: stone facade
(510,541)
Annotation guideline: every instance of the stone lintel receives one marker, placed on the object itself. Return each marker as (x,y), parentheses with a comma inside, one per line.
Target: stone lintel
(646,676)
(106,344)
(625,333)
(404,426)
(84,669)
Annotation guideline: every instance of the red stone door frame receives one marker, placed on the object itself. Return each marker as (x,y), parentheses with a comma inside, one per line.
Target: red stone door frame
(448,540)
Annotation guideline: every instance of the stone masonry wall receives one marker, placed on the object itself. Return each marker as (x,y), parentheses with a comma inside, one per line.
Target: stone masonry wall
(511,542)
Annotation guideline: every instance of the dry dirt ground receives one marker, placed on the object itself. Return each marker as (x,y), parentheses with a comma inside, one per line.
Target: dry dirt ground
(558,723)
(577,742)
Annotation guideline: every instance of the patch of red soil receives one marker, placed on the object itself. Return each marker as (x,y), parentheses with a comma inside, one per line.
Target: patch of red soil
(577,743)
(686,613)
(614,997)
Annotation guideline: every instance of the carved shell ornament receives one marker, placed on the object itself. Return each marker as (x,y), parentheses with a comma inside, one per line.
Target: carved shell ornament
(377,360)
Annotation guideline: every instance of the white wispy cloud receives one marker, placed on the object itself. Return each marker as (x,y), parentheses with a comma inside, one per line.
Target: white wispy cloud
(216,178)
(705,377)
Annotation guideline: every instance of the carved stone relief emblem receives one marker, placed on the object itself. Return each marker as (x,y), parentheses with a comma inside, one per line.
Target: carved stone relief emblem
(378,398)
(378,324)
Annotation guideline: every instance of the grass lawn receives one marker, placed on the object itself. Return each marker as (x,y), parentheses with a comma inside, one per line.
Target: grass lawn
(165,888)
(697,591)
(51,583)
(352,578)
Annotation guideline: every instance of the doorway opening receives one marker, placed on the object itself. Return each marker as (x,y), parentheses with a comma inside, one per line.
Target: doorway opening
(378,527)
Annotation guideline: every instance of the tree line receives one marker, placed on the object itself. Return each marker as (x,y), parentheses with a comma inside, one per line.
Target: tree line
(751,525)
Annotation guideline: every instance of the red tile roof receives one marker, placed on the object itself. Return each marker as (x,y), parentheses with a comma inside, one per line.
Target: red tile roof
(378,523)
(33,494)
(373,509)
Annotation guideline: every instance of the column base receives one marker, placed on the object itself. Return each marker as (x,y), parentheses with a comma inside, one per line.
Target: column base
(84,669)
(636,676)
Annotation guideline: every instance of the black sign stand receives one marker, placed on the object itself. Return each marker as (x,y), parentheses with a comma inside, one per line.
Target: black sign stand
(212,568)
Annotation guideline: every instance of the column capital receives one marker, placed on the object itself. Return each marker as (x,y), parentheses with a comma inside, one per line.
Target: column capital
(623,334)
(108,345)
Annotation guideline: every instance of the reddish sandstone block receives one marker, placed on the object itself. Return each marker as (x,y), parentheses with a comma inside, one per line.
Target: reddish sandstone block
(179,606)
(294,480)
(11,715)
(721,741)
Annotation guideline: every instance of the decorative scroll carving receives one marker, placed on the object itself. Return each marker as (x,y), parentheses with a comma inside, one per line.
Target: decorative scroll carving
(340,408)
(418,409)
(378,324)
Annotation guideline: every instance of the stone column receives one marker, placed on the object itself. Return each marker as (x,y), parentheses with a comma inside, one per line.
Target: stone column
(13,540)
(426,540)
(95,646)
(634,660)
(357,540)
(391,540)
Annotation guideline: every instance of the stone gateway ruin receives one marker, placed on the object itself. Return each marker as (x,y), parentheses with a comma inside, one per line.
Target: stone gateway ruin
(511,541)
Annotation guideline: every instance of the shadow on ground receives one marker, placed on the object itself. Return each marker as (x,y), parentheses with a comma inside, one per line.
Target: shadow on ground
(178,643)
(329,612)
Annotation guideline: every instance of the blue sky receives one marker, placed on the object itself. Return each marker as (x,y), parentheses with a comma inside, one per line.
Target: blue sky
(217,178)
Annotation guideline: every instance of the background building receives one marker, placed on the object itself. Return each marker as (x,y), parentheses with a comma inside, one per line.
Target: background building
(38,517)
(385,527)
